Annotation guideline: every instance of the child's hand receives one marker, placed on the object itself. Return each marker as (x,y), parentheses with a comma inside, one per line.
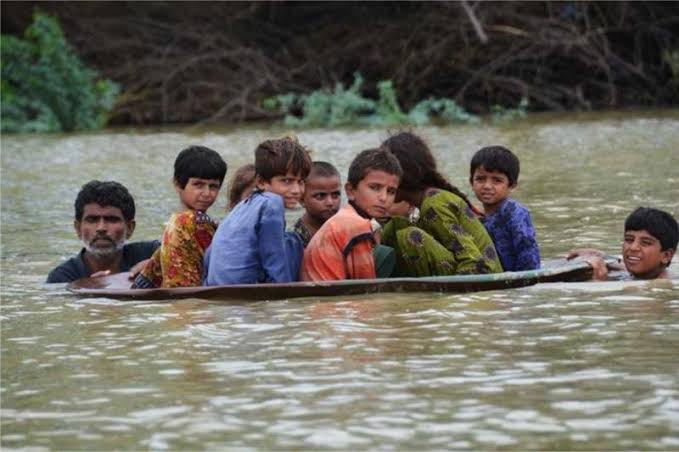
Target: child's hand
(134,271)
(600,270)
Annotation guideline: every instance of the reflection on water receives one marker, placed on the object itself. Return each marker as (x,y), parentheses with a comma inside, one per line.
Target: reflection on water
(556,366)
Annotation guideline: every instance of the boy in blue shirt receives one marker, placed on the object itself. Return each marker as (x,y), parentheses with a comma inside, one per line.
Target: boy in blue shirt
(493,174)
(251,245)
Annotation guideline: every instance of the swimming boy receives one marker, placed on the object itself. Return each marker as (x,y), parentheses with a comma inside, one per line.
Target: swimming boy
(198,175)
(321,199)
(104,219)
(343,247)
(649,243)
(251,244)
(493,174)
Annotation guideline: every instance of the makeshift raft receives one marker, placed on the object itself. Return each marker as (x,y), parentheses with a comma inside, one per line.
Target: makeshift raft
(118,286)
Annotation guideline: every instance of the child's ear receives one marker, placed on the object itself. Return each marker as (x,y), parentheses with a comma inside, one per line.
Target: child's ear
(260,183)
(666,256)
(349,189)
(177,187)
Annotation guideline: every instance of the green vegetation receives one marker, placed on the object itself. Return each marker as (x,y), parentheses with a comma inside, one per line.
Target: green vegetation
(45,87)
(343,107)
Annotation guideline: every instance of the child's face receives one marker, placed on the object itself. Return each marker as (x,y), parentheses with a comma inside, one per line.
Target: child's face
(322,197)
(642,255)
(374,193)
(198,194)
(289,186)
(490,187)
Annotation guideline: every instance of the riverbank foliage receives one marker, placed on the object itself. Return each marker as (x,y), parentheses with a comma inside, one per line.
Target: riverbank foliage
(182,62)
(46,87)
(343,107)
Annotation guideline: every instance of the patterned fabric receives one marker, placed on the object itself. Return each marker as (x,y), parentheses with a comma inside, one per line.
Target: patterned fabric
(301,229)
(447,239)
(513,233)
(179,260)
(325,259)
(251,245)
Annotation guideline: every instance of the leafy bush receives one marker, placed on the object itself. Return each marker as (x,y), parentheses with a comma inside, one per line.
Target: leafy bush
(45,87)
(326,108)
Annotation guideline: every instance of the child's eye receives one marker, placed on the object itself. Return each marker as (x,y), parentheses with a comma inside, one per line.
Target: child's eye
(215,186)
(391,191)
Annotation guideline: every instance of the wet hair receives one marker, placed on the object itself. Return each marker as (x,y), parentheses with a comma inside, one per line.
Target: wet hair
(199,162)
(242,179)
(496,158)
(106,194)
(658,223)
(414,154)
(378,159)
(280,156)
(323,169)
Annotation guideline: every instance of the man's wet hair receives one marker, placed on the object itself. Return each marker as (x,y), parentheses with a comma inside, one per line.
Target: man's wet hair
(280,156)
(323,169)
(377,159)
(496,158)
(199,162)
(106,194)
(658,223)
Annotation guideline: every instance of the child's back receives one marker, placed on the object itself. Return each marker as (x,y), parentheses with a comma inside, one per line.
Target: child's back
(493,174)
(251,244)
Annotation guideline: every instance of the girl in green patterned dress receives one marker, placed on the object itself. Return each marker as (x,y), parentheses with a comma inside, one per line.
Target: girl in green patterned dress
(448,238)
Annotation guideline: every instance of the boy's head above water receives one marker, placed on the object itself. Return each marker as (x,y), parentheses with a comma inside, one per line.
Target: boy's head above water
(374,176)
(322,192)
(650,242)
(493,173)
(198,176)
(281,166)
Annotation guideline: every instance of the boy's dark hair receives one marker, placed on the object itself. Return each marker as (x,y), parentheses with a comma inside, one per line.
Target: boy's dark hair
(658,223)
(199,162)
(280,156)
(380,159)
(244,177)
(106,194)
(414,154)
(496,158)
(323,169)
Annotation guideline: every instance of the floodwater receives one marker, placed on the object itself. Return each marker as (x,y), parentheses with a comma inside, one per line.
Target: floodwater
(560,366)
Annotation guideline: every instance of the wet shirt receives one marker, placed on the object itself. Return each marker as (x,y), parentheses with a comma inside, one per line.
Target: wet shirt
(75,267)
(340,249)
(513,233)
(251,245)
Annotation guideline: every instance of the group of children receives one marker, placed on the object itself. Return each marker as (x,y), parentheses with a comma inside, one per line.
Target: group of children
(403,218)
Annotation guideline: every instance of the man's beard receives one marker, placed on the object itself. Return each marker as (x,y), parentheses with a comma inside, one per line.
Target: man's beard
(107,251)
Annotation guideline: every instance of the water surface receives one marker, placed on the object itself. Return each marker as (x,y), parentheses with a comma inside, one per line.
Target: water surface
(581,366)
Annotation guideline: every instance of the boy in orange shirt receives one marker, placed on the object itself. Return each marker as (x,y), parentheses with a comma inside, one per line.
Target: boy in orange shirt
(342,247)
